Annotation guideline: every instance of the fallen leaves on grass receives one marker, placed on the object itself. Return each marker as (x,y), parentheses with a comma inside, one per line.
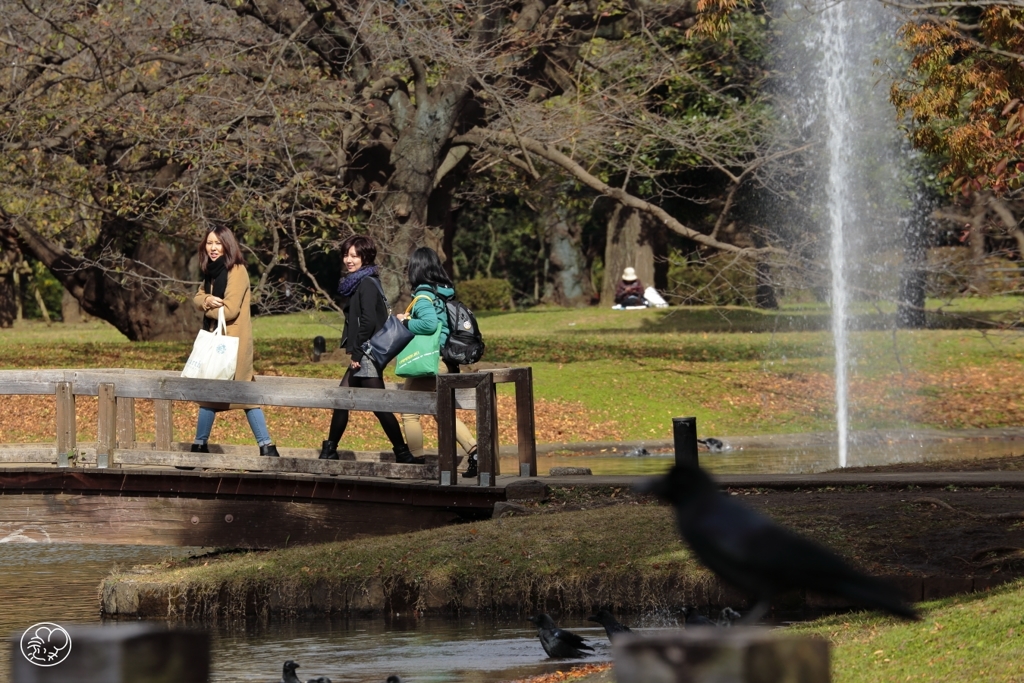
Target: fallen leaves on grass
(572,674)
(29,419)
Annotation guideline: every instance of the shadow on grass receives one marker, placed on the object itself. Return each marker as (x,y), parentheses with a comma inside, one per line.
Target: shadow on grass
(745,320)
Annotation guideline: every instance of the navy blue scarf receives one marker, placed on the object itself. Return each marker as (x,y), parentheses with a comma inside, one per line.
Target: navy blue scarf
(347,285)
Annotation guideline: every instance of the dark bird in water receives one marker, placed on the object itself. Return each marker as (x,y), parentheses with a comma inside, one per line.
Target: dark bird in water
(611,626)
(728,617)
(288,672)
(393,679)
(319,679)
(558,643)
(693,618)
(712,444)
(758,556)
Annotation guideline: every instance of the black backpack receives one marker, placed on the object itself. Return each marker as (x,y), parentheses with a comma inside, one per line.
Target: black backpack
(465,344)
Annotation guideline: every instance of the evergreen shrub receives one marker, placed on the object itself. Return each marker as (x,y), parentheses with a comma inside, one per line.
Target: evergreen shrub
(485,294)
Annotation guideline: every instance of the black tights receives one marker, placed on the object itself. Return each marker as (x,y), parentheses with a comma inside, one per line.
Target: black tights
(339,419)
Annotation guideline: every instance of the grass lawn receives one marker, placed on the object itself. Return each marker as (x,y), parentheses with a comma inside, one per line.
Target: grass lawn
(975,637)
(620,375)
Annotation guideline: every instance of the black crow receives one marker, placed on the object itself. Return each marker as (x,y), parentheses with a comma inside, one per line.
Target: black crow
(557,643)
(393,679)
(757,555)
(288,672)
(693,618)
(611,627)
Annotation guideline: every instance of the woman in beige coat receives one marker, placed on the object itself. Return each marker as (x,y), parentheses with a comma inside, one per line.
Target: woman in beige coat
(226,286)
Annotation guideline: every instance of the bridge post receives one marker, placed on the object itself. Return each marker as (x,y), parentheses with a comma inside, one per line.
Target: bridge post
(164,424)
(65,423)
(446,431)
(106,430)
(483,384)
(525,426)
(486,430)
(125,422)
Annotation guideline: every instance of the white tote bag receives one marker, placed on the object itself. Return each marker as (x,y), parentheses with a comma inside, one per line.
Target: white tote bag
(214,354)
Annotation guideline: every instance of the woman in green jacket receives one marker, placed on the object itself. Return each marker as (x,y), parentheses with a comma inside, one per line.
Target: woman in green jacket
(432,284)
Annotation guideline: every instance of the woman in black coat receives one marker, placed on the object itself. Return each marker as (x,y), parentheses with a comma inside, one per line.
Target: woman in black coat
(365,313)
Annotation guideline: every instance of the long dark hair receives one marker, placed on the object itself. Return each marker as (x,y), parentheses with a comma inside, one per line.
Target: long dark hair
(425,269)
(365,248)
(232,252)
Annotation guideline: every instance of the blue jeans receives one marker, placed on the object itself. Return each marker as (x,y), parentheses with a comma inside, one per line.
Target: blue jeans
(257,422)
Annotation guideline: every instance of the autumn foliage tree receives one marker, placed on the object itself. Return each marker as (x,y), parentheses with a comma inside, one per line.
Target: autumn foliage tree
(963,96)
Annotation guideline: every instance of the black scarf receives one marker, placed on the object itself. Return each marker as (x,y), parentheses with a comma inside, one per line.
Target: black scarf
(216,281)
(347,285)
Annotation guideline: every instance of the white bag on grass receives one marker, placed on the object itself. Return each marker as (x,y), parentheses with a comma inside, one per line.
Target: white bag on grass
(653,298)
(214,354)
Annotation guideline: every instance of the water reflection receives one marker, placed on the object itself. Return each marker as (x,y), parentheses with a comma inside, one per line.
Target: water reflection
(369,650)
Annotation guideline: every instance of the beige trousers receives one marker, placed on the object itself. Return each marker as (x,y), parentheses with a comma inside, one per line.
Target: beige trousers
(413,427)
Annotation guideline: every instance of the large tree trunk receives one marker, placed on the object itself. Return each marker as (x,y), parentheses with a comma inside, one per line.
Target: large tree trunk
(910,311)
(568,280)
(146,301)
(421,147)
(976,238)
(10,257)
(632,240)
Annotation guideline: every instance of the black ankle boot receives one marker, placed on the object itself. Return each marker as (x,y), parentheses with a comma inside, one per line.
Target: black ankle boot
(471,471)
(269,450)
(328,450)
(405,456)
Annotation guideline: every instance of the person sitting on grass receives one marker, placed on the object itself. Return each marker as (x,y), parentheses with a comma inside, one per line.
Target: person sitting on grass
(629,291)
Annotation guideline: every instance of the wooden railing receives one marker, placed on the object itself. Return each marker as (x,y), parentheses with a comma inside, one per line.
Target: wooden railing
(117,390)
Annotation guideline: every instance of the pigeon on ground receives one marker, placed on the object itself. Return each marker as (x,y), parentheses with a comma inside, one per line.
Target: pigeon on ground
(611,626)
(559,644)
(758,556)
(288,672)
(692,617)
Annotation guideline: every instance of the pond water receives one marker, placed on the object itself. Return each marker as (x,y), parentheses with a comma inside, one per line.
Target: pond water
(817,457)
(58,583)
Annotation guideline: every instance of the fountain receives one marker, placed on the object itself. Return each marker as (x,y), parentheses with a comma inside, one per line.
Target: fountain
(833,93)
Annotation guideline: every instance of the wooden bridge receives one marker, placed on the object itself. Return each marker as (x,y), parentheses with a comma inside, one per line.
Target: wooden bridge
(118,490)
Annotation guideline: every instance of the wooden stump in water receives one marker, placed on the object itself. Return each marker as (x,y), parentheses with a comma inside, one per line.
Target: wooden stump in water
(722,655)
(129,653)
